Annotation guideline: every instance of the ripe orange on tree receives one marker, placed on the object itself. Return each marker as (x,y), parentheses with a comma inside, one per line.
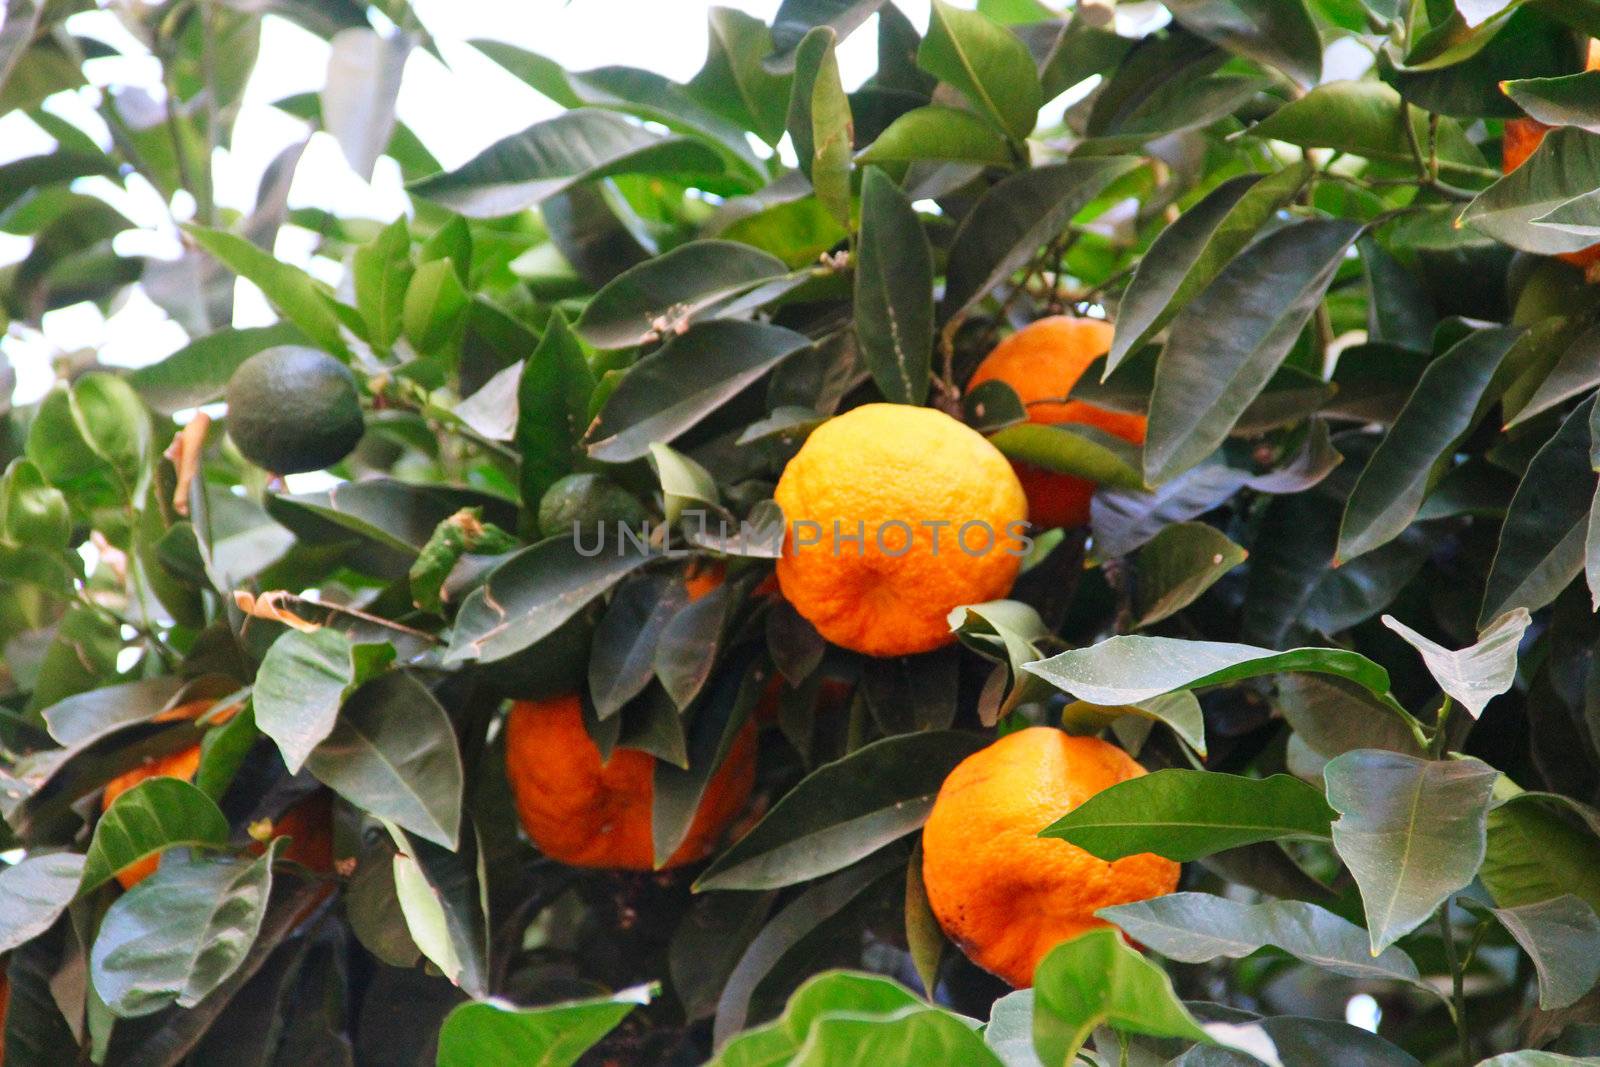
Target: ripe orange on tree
(1005,895)
(587,812)
(308,823)
(909,481)
(1042,362)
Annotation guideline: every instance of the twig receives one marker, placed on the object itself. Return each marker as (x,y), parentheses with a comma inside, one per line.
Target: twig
(1458,996)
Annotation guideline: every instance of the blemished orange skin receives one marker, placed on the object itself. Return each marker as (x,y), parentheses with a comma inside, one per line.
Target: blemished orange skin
(1042,362)
(584,812)
(1004,895)
(309,822)
(869,469)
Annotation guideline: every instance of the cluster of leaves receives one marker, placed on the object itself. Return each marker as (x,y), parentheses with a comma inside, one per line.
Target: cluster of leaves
(1368,388)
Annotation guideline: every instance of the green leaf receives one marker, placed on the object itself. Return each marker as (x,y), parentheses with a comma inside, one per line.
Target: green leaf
(733,82)
(1190,253)
(937,132)
(1226,344)
(830,993)
(442,896)
(1097,980)
(36,889)
(1448,400)
(1575,372)
(1477,674)
(1276,32)
(1180,563)
(393,752)
(826,109)
(843,811)
(531,594)
(556,1035)
(88,715)
(33,513)
(692,375)
(1562,937)
(1569,100)
(155,815)
(1127,670)
(553,396)
(198,373)
(893,291)
(435,306)
(1333,716)
(1198,927)
(381,270)
(358,94)
(987,64)
(288,289)
(179,933)
(521,170)
(1184,815)
(796,18)
(303,679)
(1079,450)
(1014,219)
(1007,631)
(1538,850)
(921,1035)
(1410,830)
(1542,544)
(1514,209)
(660,296)
(1535,1058)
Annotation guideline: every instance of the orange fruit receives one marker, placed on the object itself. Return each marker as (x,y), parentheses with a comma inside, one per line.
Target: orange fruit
(1005,895)
(587,812)
(1523,138)
(309,822)
(704,576)
(896,515)
(1042,362)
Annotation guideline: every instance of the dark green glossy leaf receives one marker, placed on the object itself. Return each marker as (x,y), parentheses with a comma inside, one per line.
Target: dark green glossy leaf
(1542,544)
(1015,218)
(1226,344)
(290,290)
(894,291)
(1513,210)
(1191,252)
(692,375)
(660,297)
(303,679)
(1570,100)
(843,811)
(1185,815)
(1562,937)
(1276,32)
(525,168)
(1410,830)
(1448,400)
(198,373)
(393,752)
(553,397)
(552,1036)
(37,889)
(1177,566)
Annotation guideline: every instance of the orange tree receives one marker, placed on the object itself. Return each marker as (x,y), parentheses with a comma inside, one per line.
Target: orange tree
(592,705)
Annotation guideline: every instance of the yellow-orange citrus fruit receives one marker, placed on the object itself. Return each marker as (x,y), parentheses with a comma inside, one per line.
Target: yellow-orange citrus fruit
(309,822)
(1523,136)
(585,812)
(703,577)
(1006,896)
(1042,362)
(896,515)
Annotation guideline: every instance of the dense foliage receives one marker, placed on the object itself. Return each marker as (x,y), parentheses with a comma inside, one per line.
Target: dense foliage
(1372,442)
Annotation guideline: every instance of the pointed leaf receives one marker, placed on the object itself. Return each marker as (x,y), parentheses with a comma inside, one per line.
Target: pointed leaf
(1569,100)
(937,132)
(1191,252)
(1184,815)
(1276,32)
(358,95)
(1015,218)
(393,753)
(555,1035)
(303,679)
(673,389)
(843,811)
(986,63)
(521,170)
(1081,451)
(381,270)
(1126,670)
(1178,565)
(1566,166)
(1447,401)
(289,289)
(1411,831)
(552,409)
(36,889)
(1179,711)
(1225,345)
(1477,674)
(894,291)
(1562,937)
(1198,927)
(1542,544)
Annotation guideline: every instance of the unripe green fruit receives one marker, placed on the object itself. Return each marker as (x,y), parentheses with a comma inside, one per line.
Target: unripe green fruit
(293,409)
